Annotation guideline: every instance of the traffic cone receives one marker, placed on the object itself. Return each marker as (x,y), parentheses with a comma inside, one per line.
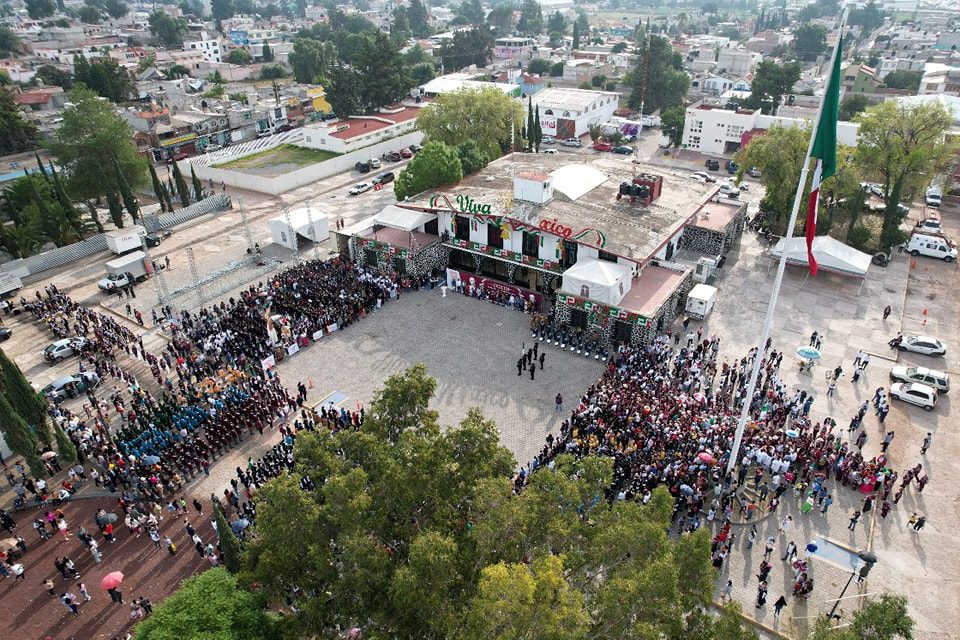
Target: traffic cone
(913,264)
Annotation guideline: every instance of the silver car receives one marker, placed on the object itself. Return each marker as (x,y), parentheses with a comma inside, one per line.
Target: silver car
(930,377)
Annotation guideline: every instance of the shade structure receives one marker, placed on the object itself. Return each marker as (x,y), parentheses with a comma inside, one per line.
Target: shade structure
(313,225)
(830,254)
(404,219)
(599,280)
(111,581)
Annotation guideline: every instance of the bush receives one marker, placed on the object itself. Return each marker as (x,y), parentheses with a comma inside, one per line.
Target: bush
(586,85)
(891,238)
(539,66)
(598,81)
(859,237)
(272,72)
(611,86)
(556,70)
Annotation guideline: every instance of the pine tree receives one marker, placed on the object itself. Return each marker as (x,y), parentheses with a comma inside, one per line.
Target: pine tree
(531,131)
(73,216)
(229,544)
(197,186)
(182,190)
(28,404)
(65,447)
(116,210)
(157,187)
(129,201)
(576,36)
(267,53)
(538,130)
(19,437)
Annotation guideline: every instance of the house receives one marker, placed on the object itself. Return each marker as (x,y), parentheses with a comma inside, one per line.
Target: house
(857,78)
(735,63)
(512,47)
(146,120)
(531,84)
(41,99)
(16,70)
(349,134)
(207,46)
(568,113)
(580,70)
(940,79)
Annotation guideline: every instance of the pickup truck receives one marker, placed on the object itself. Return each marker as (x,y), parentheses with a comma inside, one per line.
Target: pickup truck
(123,271)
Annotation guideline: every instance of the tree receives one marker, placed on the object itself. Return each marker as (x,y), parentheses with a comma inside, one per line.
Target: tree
(115,208)
(26,402)
(474,46)
(810,40)
(182,189)
(311,60)
(19,133)
(884,618)
(472,159)
(157,187)
(770,82)
(345,93)
(903,80)
(38,9)
(54,77)
(221,10)
(272,72)
(90,139)
(105,76)
(209,605)
(531,18)
(556,70)
(852,105)
(501,18)
(435,165)
(576,36)
(126,194)
(671,124)
(381,69)
(583,23)
(620,47)
(661,81)
(9,42)
(115,8)
(422,73)
(66,205)
(485,116)
(229,544)
(556,23)
(89,15)
(266,54)
(239,56)
(419,19)
(471,12)
(20,438)
(538,66)
(903,146)
(869,17)
(530,128)
(197,186)
(168,32)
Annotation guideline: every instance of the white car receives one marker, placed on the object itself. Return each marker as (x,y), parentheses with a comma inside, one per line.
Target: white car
(359,188)
(729,191)
(915,393)
(374,163)
(550,152)
(930,377)
(548,140)
(572,142)
(64,348)
(701,177)
(730,182)
(923,344)
(70,386)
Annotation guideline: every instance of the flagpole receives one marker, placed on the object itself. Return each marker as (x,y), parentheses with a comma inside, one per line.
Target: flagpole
(781,266)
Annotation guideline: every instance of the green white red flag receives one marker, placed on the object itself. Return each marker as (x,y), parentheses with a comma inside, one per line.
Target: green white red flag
(824,150)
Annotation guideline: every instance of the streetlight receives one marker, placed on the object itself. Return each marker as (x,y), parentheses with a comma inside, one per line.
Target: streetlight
(869,559)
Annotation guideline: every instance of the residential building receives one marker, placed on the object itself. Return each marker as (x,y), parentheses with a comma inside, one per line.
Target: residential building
(568,113)
(208,46)
(16,70)
(349,134)
(735,63)
(513,47)
(857,78)
(41,99)
(940,79)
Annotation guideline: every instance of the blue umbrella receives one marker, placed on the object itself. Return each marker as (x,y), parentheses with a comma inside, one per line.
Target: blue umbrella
(808,353)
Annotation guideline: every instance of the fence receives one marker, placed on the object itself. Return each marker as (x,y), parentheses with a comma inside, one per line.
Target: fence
(304,176)
(95,244)
(247,148)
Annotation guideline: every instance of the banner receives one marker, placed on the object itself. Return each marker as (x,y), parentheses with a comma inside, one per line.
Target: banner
(292,349)
(472,282)
(268,363)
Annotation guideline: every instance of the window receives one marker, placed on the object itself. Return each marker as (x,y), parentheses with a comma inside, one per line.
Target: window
(606,255)
(531,245)
(462,231)
(494,239)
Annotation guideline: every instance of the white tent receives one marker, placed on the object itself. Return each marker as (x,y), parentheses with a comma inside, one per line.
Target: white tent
(599,280)
(404,219)
(312,225)
(830,254)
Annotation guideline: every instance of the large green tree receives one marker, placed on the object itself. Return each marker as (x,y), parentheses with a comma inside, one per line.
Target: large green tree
(229,544)
(28,404)
(903,80)
(660,82)
(903,147)
(91,139)
(486,116)
(671,124)
(115,8)
(210,605)
(20,438)
(167,31)
(345,95)
(221,10)
(38,9)
(771,81)
(419,19)
(436,165)
(883,618)
(473,46)
(381,69)
(19,133)
(104,76)
(851,105)
(531,18)
(809,41)
(9,42)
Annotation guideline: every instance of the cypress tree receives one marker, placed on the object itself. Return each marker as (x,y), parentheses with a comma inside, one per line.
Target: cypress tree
(19,437)
(65,448)
(129,201)
(40,165)
(113,204)
(182,190)
(197,186)
(530,125)
(169,190)
(538,130)
(157,187)
(28,404)
(229,544)
(576,36)
(73,215)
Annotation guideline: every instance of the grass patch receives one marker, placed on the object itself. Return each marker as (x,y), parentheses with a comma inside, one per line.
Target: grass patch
(284,154)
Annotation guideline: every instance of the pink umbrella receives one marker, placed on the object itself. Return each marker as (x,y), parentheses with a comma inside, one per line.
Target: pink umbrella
(705,457)
(111,581)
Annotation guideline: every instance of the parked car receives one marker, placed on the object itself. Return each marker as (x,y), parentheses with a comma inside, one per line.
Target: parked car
(729,191)
(5,333)
(406,153)
(383,178)
(623,150)
(932,245)
(360,187)
(572,142)
(416,148)
(394,156)
(548,140)
(70,386)
(732,167)
(602,146)
(363,167)
(155,238)
(753,172)
(374,163)
(930,377)
(62,349)
(924,345)
(915,393)
(712,165)
(550,152)
(702,177)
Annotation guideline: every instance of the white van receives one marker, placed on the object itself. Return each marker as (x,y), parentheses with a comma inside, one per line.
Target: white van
(933,197)
(700,301)
(934,246)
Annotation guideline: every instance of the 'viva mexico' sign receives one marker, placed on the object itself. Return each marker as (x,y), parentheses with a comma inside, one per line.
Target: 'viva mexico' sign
(466,204)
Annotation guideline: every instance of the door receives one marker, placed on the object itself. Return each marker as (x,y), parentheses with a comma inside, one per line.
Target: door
(578,318)
(569,253)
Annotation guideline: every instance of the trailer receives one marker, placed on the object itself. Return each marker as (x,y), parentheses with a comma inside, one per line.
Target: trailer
(700,301)
(121,241)
(125,271)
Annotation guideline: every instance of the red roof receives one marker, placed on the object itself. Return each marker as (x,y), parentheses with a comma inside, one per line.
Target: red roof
(37,96)
(360,126)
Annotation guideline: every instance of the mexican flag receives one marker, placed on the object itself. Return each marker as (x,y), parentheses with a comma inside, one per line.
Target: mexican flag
(824,150)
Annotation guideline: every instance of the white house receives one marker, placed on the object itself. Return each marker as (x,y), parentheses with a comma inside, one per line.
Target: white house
(512,47)
(568,113)
(356,132)
(209,47)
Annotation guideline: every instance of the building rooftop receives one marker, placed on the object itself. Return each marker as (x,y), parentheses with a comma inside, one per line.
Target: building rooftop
(629,230)
(41,95)
(352,127)
(573,99)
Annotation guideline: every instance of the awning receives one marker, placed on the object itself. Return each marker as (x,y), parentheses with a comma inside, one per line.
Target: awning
(831,255)
(404,219)
(599,280)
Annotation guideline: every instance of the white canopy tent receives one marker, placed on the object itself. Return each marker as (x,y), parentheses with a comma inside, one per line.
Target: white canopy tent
(830,254)
(599,280)
(312,225)
(404,219)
